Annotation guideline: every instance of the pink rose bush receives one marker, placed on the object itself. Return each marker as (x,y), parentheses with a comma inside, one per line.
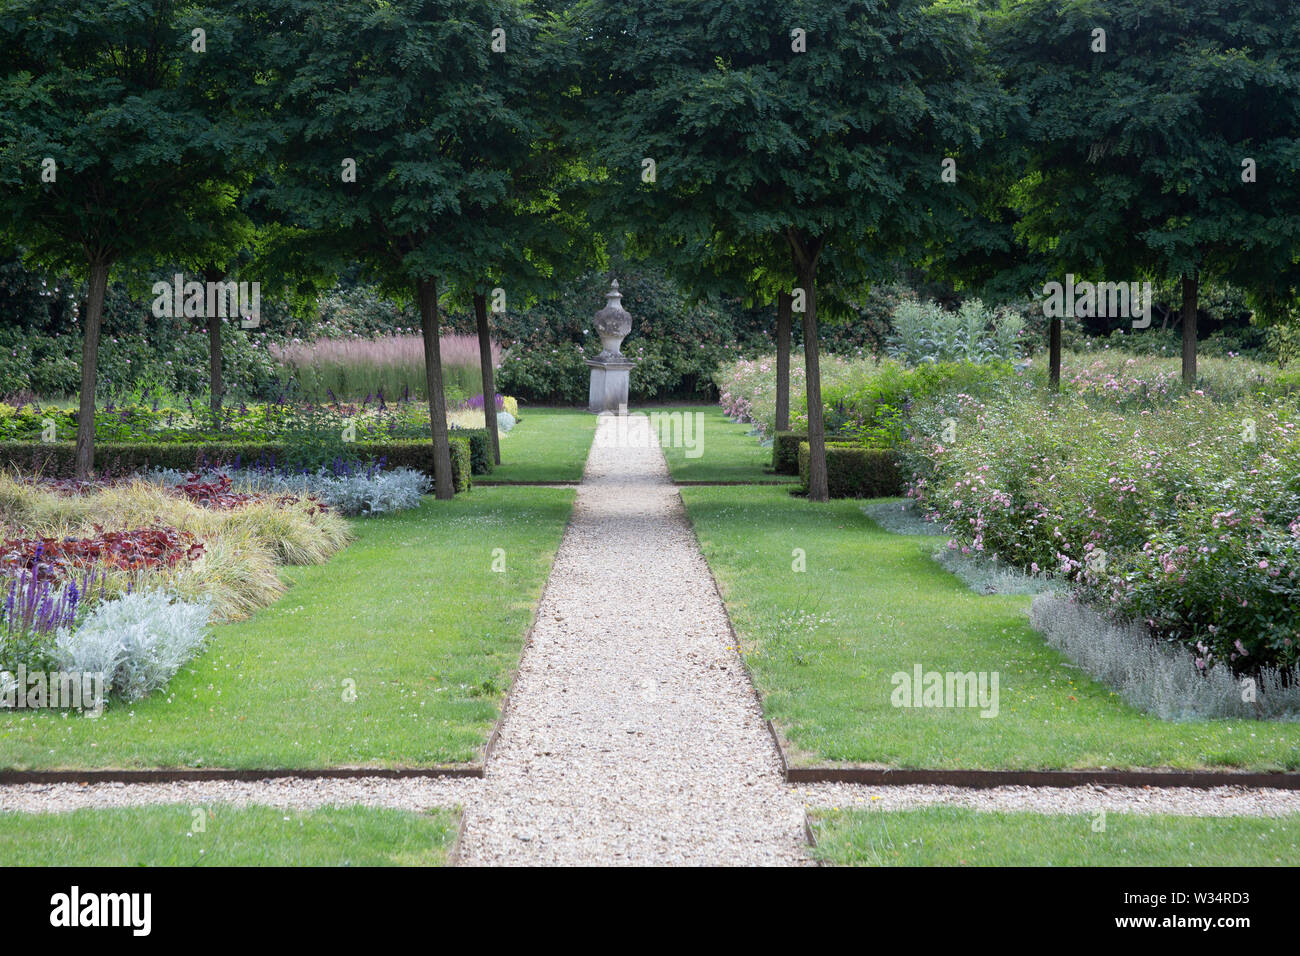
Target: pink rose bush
(1184,516)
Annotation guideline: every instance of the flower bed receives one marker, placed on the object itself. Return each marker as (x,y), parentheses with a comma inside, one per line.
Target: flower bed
(1186,518)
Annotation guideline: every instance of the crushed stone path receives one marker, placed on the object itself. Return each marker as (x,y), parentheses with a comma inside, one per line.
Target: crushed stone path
(633,734)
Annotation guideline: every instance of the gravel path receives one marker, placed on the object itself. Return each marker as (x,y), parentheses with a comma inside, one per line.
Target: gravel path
(633,735)
(296,794)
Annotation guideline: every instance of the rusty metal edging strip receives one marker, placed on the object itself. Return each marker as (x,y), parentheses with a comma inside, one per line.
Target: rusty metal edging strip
(735,642)
(199,774)
(453,858)
(810,837)
(691,483)
(984,779)
(488,483)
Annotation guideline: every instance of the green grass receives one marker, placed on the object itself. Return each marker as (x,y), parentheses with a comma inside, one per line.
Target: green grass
(411,616)
(220,835)
(726,451)
(822,646)
(956,836)
(548,444)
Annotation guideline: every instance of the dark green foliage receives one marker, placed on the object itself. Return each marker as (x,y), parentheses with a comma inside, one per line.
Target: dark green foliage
(1135,155)
(480,449)
(677,344)
(785,452)
(119,459)
(853,471)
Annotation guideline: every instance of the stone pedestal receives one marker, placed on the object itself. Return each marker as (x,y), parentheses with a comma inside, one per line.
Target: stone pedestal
(610,369)
(608,385)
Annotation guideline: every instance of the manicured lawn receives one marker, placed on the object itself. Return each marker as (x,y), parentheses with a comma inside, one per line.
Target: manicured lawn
(230,836)
(725,451)
(411,620)
(823,644)
(956,836)
(548,444)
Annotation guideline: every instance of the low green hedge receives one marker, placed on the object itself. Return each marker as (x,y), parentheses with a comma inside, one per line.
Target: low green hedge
(57,460)
(480,450)
(785,452)
(855,471)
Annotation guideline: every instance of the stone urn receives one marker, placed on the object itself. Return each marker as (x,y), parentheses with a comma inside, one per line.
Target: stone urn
(611,368)
(612,323)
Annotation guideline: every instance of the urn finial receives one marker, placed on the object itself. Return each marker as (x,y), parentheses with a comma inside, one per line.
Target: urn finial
(613,323)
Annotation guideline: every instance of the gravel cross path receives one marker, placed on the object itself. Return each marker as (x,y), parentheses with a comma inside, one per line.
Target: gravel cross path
(633,734)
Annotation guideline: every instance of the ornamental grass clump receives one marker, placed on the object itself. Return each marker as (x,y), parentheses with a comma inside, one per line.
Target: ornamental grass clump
(241,546)
(391,364)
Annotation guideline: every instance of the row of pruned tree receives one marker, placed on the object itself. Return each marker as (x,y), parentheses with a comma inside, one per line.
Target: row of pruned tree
(786,150)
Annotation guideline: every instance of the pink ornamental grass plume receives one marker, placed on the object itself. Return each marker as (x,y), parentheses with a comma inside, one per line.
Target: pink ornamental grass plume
(393,364)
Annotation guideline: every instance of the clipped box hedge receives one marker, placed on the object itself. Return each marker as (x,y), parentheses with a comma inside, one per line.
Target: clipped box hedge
(785,452)
(57,460)
(480,450)
(855,471)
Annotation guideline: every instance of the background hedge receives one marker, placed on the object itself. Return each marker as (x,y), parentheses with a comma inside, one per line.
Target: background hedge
(853,471)
(114,459)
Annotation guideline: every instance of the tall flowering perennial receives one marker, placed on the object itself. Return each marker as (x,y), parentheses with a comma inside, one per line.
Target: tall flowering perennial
(36,606)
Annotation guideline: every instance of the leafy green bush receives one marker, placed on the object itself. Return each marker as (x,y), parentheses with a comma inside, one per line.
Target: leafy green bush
(866,400)
(853,471)
(480,449)
(785,452)
(927,332)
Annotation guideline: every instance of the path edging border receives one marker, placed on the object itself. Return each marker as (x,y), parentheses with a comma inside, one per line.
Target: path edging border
(810,837)
(202,774)
(986,779)
(493,738)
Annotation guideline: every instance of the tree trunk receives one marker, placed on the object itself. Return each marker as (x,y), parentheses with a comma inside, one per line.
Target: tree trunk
(215,385)
(784,301)
(817,486)
(85,457)
(1191,284)
(489,382)
(426,293)
(1054,355)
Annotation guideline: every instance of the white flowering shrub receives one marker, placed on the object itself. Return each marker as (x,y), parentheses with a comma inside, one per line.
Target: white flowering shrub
(1161,679)
(137,641)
